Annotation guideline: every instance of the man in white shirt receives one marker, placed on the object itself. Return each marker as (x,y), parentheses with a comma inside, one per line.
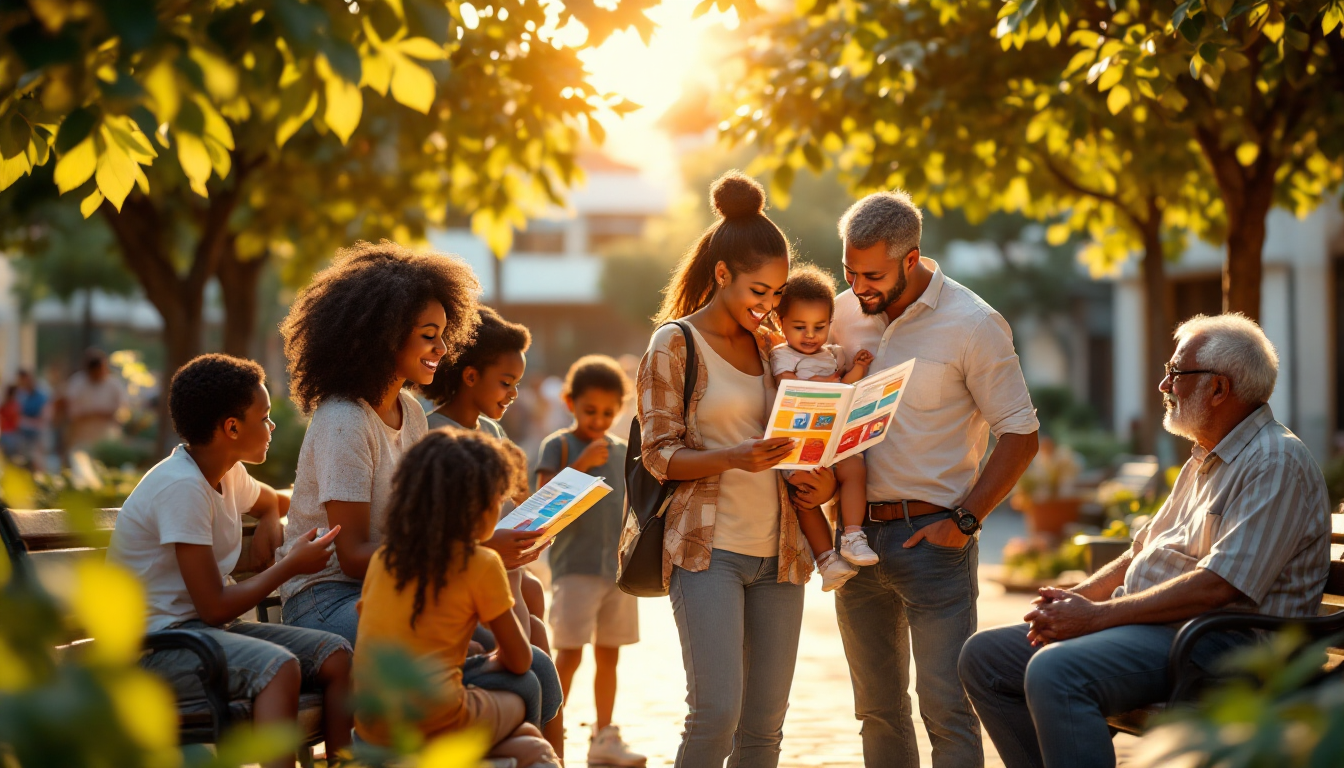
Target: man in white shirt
(927,492)
(95,402)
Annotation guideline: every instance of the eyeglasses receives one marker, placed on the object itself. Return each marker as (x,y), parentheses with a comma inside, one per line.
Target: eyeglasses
(1173,371)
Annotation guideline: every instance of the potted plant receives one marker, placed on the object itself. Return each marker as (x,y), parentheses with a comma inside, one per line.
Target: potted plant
(1046,493)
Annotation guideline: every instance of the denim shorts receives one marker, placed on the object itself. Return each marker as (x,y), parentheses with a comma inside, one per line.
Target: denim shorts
(254,653)
(328,606)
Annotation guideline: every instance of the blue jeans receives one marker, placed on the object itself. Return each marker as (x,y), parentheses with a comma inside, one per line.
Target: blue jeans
(539,687)
(328,606)
(920,599)
(739,641)
(1048,706)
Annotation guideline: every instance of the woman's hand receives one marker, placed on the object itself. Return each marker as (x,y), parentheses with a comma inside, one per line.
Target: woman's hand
(812,489)
(757,455)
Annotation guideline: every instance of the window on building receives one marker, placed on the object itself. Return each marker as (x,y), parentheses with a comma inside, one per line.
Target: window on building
(606,230)
(540,237)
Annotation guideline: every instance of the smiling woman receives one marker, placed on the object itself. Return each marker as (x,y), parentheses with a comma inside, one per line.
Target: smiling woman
(382,317)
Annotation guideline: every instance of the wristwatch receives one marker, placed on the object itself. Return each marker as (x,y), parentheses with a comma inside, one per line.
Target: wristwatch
(967,522)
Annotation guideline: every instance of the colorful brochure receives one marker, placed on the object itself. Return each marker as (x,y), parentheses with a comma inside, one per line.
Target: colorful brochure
(556,504)
(832,421)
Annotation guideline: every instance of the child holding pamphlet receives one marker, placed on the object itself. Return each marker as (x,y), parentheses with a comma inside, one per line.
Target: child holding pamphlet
(805,310)
(432,582)
(587,606)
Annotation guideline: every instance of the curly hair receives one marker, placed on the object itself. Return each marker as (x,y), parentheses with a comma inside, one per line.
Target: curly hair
(807,282)
(442,488)
(208,390)
(344,330)
(595,372)
(494,336)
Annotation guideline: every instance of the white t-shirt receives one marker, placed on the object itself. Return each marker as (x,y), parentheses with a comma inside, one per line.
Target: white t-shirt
(173,504)
(824,362)
(348,454)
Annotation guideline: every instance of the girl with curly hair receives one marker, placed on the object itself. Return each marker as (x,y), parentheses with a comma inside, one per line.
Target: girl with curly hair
(431,582)
(382,317)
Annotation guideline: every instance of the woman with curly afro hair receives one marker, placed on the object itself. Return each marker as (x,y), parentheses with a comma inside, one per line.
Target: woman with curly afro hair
(381,318)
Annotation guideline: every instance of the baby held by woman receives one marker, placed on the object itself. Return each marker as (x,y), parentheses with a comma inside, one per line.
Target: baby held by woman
(805,310)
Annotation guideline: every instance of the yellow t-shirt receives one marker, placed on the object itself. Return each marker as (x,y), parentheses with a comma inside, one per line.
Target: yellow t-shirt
(478,593)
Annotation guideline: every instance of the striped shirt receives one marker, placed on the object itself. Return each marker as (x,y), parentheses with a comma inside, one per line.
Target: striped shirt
(1253,510)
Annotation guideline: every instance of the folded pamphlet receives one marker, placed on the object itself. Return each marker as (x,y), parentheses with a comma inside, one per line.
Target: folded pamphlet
(556,504)
(832,421)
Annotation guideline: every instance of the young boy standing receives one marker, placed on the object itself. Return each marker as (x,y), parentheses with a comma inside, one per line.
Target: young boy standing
(181,533)
(586,604)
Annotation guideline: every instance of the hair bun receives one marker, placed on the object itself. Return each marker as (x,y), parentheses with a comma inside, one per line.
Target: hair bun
(735,195)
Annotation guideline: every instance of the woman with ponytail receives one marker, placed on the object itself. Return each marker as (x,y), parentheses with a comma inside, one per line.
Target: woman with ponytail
(734,559)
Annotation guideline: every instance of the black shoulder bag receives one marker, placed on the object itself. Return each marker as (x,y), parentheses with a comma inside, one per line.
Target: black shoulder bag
(640,571)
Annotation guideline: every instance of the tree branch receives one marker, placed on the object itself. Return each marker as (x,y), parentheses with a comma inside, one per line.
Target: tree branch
(1079,188)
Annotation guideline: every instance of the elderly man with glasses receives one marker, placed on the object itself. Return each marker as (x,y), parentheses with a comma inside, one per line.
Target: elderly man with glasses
(1247,527)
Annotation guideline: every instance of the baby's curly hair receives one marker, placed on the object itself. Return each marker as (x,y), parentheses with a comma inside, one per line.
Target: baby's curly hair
(595,372)
(343,331)
(807,282)
(208,390)
(494,336)
(442,488)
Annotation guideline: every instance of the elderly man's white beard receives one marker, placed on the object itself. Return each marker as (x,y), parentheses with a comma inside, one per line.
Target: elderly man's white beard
(1185,415)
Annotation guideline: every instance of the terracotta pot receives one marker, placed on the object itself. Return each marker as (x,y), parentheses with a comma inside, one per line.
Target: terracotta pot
(1050,517)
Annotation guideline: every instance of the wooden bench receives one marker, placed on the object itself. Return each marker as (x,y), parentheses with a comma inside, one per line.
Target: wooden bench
(1328,623)
(44,548)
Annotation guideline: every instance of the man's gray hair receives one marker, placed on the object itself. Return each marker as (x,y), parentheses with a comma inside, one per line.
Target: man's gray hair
(1236,347)
(883,217)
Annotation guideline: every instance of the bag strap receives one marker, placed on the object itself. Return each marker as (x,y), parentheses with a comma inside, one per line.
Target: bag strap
(692,366)
(564,449)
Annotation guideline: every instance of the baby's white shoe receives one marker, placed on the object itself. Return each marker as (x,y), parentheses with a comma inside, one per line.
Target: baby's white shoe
(834,571)
(854,548)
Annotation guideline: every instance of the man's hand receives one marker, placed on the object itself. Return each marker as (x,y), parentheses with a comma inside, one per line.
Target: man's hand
(1060,615)
(943,533)
(267,537)
(812,489)
(512,547)
(594,455)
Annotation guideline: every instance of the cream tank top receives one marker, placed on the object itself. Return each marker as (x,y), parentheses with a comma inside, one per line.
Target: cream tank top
(733,409)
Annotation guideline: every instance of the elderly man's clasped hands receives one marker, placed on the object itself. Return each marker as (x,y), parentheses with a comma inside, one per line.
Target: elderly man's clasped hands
(1058,614)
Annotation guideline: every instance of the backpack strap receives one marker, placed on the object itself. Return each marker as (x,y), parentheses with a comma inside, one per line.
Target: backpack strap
(564,449)
(692,365)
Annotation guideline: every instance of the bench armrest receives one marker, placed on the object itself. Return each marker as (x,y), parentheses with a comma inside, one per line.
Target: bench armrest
(1179,664)
(214,669)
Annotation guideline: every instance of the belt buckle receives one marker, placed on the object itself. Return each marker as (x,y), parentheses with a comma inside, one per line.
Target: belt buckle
(905,511)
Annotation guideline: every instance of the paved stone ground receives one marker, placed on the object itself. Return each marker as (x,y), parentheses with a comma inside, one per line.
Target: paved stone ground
(820,729)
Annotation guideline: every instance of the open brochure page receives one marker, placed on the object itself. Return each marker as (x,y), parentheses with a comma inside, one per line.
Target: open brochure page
(808,412)
(871,410)
(557,504)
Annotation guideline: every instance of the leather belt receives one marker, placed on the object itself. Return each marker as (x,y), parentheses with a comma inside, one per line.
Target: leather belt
(886,511)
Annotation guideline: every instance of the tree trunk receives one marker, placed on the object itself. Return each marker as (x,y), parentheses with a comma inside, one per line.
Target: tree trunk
(1157,331)
(143,232)
(238,282)
(1243,265)
(86,322)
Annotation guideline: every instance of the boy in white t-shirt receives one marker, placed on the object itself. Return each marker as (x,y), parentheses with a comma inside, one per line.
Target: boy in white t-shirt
(180,532)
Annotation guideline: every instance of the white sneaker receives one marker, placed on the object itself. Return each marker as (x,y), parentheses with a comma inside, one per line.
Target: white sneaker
(854,548)
(607,748)
(835,571)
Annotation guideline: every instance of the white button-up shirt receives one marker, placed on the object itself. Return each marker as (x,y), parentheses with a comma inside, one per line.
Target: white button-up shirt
(1254,510)
(967,383)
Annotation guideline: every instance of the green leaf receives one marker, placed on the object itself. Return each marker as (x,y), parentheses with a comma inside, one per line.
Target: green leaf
(195,160)
(90,204)
(1208,52)
(343,59)
(812,154)
(422,48)
(15,136)
(1219,8)
(345,106)
(413,85)
(76,166)
(1178,15)
(1247,153)
(304,23)
(1332,18)
(298,103)
(1111,76)
(134,21)
(115,173)
(74,129)
(1118,99)
(1193,27)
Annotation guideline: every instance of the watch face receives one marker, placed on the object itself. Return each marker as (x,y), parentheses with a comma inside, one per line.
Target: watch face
(966,523)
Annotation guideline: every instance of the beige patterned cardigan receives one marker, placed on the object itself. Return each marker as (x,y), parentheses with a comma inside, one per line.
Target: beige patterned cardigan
(664,430)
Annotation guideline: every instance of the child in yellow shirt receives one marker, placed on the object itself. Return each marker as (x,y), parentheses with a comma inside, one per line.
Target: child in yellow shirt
(431,582)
